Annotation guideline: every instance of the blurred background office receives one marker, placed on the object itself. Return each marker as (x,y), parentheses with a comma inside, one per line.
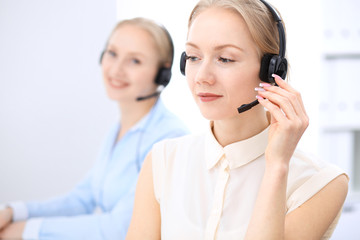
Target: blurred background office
(54,112)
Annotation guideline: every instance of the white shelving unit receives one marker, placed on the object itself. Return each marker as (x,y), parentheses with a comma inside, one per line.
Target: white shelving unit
(339,116)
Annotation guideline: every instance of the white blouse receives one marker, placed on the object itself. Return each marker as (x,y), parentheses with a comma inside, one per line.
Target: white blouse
(207,191)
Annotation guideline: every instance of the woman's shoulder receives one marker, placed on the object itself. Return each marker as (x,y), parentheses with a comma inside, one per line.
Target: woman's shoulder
(306,165)
(308,174)
(169,150)
(302,159)
(171,155)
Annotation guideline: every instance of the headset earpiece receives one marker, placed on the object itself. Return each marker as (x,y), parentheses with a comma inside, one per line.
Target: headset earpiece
(183,63)
(164,74)
(270,64)
(281,69)
(264,67)
(163,77)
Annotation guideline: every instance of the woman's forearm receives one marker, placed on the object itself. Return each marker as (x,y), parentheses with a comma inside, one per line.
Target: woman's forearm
(268,218)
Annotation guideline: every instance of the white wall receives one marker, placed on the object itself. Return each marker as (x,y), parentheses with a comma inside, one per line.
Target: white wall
(53,109)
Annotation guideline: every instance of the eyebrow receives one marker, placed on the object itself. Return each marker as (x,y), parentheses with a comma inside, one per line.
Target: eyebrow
(130,53)
(217,47)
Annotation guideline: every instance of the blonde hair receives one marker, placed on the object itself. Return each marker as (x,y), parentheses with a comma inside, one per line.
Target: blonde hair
(160,35)
(257,17)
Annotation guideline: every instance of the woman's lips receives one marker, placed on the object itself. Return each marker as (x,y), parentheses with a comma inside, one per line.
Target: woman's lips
(117,84)
(208,97)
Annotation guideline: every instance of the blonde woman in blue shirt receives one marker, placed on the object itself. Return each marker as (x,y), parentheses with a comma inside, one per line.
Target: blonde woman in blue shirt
(244,178)
(136,64)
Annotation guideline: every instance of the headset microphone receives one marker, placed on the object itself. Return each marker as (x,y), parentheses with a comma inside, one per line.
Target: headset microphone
(248,106)
(155,94)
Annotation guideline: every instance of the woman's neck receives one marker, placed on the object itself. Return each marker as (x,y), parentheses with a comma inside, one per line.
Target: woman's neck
(241,127)
(133,112)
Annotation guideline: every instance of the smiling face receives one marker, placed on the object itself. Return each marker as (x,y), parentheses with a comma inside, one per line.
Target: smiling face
(130,64)
(223,63)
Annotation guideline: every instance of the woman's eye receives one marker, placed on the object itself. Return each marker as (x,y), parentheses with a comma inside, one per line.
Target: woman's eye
(111,53)
(225,60)
(192,58)
(136,61)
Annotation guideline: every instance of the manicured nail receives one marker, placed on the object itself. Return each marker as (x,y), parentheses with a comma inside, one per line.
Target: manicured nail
(259,97)
(260,89)
(275,76)
(264,84)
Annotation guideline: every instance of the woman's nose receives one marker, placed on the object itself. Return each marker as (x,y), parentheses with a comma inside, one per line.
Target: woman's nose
(117,67)
(205,73)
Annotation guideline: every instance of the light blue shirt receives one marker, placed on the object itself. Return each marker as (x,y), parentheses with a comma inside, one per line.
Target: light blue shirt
(110,184)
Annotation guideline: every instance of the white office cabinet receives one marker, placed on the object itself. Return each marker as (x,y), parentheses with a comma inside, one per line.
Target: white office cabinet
(341,27)
(339,116)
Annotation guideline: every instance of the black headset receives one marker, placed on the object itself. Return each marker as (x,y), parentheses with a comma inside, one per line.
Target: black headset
(163,75)
(270,63)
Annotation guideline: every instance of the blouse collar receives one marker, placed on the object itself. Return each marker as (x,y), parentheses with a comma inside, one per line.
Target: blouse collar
(238,153)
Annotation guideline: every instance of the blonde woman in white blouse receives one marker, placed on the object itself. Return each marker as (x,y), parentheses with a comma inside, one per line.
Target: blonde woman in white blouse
(244,178)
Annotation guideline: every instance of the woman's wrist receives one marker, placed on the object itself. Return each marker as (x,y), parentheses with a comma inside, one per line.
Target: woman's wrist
(279,169)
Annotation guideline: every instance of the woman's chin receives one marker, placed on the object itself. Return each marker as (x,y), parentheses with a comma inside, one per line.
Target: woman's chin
(211,114)
(117,97)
